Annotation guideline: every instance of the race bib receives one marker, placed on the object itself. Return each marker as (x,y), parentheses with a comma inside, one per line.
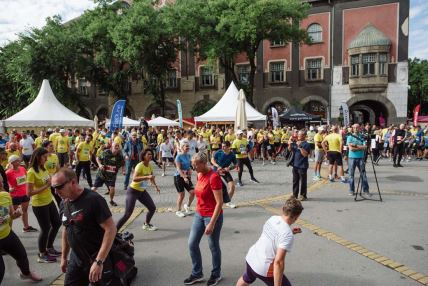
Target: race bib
(85,152)
(110,169)
(144,184)
(243,150)
(269,147)
(345,148)
(21,180)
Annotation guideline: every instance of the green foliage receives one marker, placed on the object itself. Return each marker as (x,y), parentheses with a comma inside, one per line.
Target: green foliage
(418,81)
(201,107)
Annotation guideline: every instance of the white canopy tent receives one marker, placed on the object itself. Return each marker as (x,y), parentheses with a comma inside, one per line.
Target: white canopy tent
(127,122)
(225,109)
(46,111)
(161,121)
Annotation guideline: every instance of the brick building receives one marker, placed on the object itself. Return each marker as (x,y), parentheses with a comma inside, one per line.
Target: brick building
(358,56)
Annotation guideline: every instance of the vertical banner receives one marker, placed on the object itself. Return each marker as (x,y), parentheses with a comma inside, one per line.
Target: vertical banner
(345,114)
(117,115)
(416,114)
(180,113)
(275,117)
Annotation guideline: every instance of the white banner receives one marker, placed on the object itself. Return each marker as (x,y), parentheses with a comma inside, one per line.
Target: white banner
(275,117)
(345,111)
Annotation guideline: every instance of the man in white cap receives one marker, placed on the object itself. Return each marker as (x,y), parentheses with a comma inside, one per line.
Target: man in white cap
(319,152)
(27,146)
(241,148)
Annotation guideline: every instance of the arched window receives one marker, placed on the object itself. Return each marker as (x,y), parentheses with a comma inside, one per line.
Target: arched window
(315,33)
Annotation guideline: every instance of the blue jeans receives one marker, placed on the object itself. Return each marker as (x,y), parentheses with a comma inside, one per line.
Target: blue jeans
(196,233)
(129,165)
(354,163)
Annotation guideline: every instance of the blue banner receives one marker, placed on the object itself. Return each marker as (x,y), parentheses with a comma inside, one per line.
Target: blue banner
(117,115)
(180,113)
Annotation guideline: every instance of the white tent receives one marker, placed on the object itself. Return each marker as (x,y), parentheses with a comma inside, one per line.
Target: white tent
(225,109)
(161,121)
(46,111)
(126,122)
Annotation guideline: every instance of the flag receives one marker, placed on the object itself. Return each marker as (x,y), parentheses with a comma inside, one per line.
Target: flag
(117,115)
(416,114)
(180,113)
(345,111)
(275,117)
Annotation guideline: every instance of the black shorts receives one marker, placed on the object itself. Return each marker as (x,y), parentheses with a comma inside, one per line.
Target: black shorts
(270,149)
(26,158)
(227,177)
(181,185)
(16,201)
(312,145)
(99,182)
(334,157)
(277,144)
(167,159)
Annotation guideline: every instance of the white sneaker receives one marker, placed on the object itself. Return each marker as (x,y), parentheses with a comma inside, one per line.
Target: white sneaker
(231,205)
(149,227)
(186,208)
(311,160)
(163,174)
(272,162)
(263,164)
(180,214)
(316,178)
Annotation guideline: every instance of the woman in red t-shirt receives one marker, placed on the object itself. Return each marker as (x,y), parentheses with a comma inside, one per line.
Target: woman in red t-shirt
(208,219)
(17,180)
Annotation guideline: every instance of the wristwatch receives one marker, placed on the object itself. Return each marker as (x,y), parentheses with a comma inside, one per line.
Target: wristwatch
(99,262)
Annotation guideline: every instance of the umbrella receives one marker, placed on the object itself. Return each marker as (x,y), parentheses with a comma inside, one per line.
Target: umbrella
(296,115)
(241,115)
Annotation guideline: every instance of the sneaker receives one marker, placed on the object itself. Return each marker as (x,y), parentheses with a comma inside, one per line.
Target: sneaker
(163,174)
(30,229)
(311,160)
(399,165)
(263,163)
(240,184)
(330,178)
(213,281)
(302,198)
(180,214)
(343,180)
(45,258)
(367,194)
(316,178)
(148,226)
(231,205)
(192,280)
(395,165)
(186,208)
(53,252)
(32,276)
(351,194)
(113,204)
(107,193)
(254,180)
(273,162)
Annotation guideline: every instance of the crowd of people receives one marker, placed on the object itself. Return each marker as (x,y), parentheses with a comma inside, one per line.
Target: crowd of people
(46,169)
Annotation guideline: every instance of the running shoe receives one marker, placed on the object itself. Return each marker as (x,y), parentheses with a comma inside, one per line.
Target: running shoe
(45,258)
(180,214)
(213,281)
(316,178)
(343,180)
(330,178)
(193,279)
(148,226)
(29,229)
(351,194)
(186,208)
(32,276)
(273,162)
(367,194)
(263,163)
(240,184)
(231,205)
(53,252)
(303,198)
(113,204)
(163,174)
(254,180)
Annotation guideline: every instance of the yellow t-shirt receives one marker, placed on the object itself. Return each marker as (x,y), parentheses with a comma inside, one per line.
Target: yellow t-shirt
(141,170)
(61,144)
(39,141)
(317,139)
(85,149)
(285,137)
(38,180)
(51,163)
(260,137)
(206,136)
(144,140)
(271,138)
(240,145)
(160,139)
(53,137)
(118,140)
(215,142)
(277,134)
(334,140)
(5,203)
(10,153)
(230,138)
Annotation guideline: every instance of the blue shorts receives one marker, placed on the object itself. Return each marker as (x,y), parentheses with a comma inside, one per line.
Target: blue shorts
(16,201)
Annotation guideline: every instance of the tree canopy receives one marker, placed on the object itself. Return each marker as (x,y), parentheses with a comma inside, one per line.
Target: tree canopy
(418,81)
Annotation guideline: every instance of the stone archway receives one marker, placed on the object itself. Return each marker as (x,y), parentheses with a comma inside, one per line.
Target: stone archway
(102,113)
(273,101)
(85,112)
(316,105)
(154,108)
(366,114)
(378,103)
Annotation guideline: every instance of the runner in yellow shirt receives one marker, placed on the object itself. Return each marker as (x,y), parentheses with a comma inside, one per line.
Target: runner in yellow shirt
(83,157)
(62,148)
(215,140)
(54,135)
(39,140)
(230,137)
(333,145)
(240,147)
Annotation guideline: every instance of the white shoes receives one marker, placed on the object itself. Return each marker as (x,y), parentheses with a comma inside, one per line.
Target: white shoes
(149,227)
(163,174)
(180,214)
(231,205)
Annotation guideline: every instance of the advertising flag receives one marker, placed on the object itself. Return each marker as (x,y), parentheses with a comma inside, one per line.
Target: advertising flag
(117,115)
(180,113)
(345,110)
(275,117)
(416,114)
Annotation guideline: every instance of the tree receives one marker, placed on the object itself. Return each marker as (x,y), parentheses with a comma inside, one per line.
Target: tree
(224,29)
(418,81)
(145,40)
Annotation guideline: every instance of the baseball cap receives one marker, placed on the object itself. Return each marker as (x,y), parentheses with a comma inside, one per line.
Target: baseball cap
(13,158)
(134,134)
(321,128)
(61,130)
(311,128)
(50,130)
(239,132)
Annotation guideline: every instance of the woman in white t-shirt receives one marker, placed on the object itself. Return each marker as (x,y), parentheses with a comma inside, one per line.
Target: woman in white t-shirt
(265,259)
(166,149)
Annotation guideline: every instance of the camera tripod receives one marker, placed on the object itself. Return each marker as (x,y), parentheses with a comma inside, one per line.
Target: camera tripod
(359,190)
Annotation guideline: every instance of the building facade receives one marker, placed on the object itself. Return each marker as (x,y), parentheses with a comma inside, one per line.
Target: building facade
(358,57)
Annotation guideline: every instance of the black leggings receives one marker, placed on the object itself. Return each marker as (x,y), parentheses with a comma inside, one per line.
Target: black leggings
(86,167)
(241,163)
(13,246)
(132,196)
(49,222)
(56,197)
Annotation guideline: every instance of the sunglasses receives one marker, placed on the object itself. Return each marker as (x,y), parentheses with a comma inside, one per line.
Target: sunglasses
(60,186)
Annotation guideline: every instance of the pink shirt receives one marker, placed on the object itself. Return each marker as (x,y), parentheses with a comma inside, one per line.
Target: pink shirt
(17,180)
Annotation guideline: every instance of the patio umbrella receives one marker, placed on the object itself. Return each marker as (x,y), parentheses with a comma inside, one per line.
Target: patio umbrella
(241,115)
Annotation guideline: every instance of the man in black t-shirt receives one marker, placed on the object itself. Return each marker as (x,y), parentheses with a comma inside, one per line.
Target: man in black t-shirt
(89,232)
(399,138)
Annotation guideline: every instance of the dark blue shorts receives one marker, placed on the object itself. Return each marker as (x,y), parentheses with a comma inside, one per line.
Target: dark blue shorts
(250,276)
(16,201)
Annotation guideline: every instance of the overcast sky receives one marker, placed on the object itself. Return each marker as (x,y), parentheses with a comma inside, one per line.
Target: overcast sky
(18,15)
